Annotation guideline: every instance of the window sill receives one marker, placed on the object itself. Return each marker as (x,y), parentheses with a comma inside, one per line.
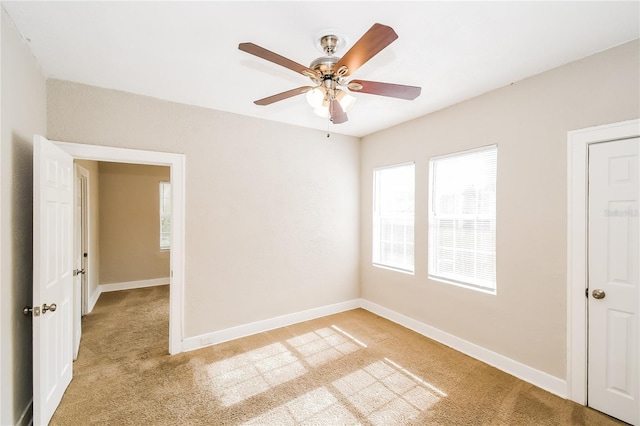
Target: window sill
(391,268)
(468,286)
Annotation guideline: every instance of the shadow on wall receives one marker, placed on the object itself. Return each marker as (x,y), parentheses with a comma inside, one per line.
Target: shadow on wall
(21,268)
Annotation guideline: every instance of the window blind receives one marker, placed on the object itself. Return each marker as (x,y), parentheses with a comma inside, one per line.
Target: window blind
(393,217)
(165,215)
(462,221)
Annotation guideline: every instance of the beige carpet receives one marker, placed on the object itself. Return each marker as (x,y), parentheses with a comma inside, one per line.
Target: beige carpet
(349,368)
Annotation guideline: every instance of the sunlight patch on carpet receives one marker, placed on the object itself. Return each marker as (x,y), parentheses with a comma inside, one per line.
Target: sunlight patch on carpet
(324,345)
(251,373)
(416,378)
(335,327)
(238,378)
(387,393)
(318,406)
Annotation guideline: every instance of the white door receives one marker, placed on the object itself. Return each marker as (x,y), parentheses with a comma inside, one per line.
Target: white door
(78,255)
(52,277)
(613,293)
(84,215)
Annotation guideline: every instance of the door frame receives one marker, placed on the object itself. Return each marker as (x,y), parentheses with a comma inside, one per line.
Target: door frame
(176,163)
(86,238)
(80,175)
(578,142)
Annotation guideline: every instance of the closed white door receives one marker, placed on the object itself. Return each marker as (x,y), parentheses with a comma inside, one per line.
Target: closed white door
(52,277)
(614,276)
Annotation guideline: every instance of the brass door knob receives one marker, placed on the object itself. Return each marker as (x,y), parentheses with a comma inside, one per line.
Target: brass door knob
(598,294)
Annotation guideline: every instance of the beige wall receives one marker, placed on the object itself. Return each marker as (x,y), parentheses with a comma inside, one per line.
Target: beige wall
(130,223)
(23,106)
(93,204)
(272,210)
(529,120)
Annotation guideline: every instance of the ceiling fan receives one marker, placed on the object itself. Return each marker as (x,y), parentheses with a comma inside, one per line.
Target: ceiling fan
(330,73)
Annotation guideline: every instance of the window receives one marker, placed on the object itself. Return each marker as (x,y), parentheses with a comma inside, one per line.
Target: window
(165,216)
(393,216)
(462,218)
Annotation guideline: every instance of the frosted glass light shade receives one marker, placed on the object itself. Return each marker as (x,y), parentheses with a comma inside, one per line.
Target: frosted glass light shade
(346,100)
(318,100)
(315,96)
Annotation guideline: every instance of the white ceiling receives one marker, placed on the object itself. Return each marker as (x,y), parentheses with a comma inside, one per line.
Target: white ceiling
(188,51)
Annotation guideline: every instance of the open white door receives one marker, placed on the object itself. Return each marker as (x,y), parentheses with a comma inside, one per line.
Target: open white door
(52,277)
(79,250)
(614,279)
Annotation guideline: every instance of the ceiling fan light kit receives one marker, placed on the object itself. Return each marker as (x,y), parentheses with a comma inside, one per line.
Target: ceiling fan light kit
(329,95)
(319,99)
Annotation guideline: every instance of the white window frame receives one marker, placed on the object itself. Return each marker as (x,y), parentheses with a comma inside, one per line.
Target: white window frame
(162,214)
(376,240)
(452,278)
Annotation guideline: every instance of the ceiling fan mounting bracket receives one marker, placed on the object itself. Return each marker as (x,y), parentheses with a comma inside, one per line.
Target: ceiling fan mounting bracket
(329,44)
(329,40)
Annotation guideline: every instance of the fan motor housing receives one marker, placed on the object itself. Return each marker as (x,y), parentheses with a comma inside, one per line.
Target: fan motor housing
(324,64)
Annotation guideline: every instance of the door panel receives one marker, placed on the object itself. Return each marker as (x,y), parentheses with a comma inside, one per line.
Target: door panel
(614,257)
(52,277)
(77,250)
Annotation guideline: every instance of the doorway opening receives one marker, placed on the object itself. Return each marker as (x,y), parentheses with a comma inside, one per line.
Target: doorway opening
(177,177)
(128,208)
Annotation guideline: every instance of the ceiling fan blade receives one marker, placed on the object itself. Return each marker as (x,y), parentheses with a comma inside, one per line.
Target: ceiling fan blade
(284,95)
(263,53)
(385,89)
(338,116)
(373,41)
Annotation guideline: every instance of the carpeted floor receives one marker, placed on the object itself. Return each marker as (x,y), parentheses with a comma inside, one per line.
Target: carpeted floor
(349,368)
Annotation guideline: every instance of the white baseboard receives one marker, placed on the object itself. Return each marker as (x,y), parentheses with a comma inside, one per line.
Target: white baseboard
(244,330)
(538,378)
(93,298)
(26,418)
(128,285)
